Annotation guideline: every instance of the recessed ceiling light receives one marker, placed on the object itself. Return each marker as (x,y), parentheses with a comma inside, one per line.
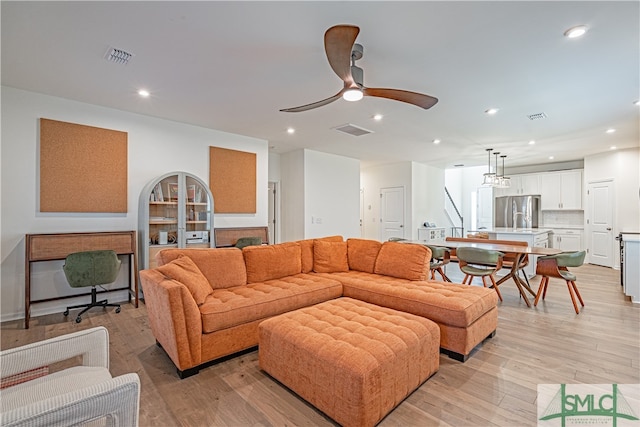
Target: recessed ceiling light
(143,93)
(613,147)
(436,141)
(532,142)
(577,31)
(637,102)
(491,111)
(291,131)
(550,157)
(377,117)
(611,130)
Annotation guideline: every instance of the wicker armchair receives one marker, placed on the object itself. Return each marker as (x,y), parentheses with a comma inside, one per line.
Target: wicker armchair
(73,396)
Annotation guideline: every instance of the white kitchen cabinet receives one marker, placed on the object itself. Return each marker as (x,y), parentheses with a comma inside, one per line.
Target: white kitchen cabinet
(561,190)
(521,185)
(631,268)
(568,240)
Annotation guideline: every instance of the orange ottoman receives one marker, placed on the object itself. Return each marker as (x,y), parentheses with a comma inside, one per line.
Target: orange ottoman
(352,360)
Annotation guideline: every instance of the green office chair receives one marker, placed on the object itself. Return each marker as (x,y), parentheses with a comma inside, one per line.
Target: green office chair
(439,258)
(396,239)
(91,268)
(476,262)
(556,266)
(248,241)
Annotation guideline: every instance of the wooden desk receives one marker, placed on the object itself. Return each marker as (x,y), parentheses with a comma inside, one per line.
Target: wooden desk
(56,246)
(518,251)
(227,237)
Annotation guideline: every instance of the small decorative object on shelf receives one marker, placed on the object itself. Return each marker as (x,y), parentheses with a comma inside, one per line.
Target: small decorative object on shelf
(180,216)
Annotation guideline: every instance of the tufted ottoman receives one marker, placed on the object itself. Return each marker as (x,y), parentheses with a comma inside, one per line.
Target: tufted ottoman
(352,360)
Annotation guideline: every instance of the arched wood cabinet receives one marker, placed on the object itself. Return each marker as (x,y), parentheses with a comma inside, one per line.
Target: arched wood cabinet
(176,210)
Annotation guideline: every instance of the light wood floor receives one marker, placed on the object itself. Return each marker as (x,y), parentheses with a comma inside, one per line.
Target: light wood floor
(495,387)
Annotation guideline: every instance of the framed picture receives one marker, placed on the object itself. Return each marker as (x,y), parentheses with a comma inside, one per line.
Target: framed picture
(191,193)
(172,190)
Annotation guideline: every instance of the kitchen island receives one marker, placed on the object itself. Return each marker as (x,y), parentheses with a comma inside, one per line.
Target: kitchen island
(535,237)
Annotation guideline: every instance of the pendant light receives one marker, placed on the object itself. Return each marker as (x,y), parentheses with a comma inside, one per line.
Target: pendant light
(489,179)
(504,181)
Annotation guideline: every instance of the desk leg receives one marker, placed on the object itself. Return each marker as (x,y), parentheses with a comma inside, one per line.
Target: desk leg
(27,294)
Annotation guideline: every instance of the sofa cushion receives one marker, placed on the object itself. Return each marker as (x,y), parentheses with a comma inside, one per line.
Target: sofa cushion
(362,254)
(306,248)
(223,267)
(230,307)
(272,262)
(330,257)
(185,271)
(403,260)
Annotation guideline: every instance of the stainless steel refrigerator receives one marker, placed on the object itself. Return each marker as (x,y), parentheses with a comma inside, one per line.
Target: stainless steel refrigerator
(517,211)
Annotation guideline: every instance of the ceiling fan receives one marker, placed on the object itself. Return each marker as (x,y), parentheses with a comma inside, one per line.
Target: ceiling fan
(342,53)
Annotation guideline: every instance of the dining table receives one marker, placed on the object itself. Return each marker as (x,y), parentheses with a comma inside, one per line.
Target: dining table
(519,253)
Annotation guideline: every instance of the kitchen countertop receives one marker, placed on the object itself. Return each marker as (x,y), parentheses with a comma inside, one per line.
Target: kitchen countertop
(509,230)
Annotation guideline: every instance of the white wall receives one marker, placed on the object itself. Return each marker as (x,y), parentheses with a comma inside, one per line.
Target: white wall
(331,195)
(427,198)
(155,147)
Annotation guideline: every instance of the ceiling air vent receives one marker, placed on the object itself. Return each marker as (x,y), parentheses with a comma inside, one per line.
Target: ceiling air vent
(118,56)
(537,116)
(352,130)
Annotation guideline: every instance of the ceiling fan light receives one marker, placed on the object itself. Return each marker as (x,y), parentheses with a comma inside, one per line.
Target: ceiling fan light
(352,94)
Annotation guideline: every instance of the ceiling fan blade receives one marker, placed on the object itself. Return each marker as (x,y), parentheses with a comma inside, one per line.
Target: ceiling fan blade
(338,42)
(418,99)
(313,105)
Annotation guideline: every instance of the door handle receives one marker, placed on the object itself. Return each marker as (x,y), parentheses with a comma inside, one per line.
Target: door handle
(401,225)
(608,228)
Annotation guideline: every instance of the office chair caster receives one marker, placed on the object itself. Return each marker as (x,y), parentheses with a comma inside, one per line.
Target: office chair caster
(66,313)
(78,319)
(118,309)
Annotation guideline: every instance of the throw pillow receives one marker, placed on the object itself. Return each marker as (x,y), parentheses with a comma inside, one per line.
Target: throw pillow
(272,262)
(306,246)
(404,261)
(362,254)
(185,271)
(330,257)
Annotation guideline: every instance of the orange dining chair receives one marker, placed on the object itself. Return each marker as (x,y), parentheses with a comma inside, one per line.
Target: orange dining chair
(556,266)
(477,262)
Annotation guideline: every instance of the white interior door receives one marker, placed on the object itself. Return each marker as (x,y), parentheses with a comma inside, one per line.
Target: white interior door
(600,223)
(392,212)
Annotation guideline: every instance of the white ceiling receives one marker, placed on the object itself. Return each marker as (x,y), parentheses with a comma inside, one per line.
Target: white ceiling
(232,65)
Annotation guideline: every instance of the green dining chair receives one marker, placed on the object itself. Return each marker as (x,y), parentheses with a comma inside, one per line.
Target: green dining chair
(477,262)
(556,266)
(248,241)
(91,268)
(439,258)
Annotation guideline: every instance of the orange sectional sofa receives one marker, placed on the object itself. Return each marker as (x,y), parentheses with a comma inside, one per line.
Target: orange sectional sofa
(204,304)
